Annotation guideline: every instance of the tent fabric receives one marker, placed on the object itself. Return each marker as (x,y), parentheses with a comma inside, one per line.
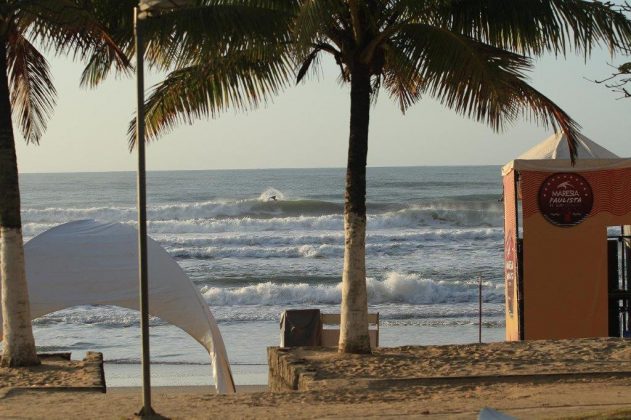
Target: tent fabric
(553,154)
(556,147)
(554,259)
(95,263)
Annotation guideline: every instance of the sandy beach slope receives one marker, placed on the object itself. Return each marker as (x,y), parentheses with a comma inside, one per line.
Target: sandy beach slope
(593,377)
(552,400)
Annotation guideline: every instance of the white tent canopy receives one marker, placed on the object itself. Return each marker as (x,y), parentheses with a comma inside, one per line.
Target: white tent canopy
(95,263)
(556,147)
(553,154)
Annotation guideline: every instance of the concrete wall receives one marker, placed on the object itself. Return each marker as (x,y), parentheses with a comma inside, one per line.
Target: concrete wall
(287,372)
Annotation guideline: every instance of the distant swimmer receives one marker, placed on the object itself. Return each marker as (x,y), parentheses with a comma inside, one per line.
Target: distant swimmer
(273,198)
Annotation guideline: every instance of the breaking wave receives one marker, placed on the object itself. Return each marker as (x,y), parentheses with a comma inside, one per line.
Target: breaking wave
(396,288)
(254,208)
(273,210)
(103,316)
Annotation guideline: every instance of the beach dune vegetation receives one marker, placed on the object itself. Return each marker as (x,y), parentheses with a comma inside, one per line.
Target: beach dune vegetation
(27,96)
(472,56)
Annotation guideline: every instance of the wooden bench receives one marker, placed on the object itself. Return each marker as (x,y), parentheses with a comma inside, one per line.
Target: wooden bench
(331,329)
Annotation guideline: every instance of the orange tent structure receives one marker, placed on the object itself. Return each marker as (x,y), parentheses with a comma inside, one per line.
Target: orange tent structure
(565,275)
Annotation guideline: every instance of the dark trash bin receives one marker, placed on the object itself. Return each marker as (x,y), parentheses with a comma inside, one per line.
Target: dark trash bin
(300,328)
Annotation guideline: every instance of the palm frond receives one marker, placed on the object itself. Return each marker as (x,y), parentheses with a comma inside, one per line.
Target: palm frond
(544,111)
(80,28)
(401,78)
(116,18)
(236,81)
(304,68)
(180,38)
(319,21)
(32,91)
(477,80)
(466,75)
(99,67)
(530,27)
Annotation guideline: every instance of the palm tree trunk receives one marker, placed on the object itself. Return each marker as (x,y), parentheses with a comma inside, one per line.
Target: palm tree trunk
(18,341)
(354,312)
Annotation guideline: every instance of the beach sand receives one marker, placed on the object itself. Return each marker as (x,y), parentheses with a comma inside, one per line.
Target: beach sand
(56,371)
(586,355)
(523,400)
(528,393)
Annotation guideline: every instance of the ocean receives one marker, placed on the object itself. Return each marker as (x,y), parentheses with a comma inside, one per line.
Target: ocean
(433,234)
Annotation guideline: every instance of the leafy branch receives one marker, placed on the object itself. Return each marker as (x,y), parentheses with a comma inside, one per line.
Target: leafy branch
(620,79)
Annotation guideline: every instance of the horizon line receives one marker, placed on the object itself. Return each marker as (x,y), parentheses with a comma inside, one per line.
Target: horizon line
(258,169)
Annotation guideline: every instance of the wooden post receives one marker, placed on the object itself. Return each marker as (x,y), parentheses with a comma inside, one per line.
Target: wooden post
(480,309)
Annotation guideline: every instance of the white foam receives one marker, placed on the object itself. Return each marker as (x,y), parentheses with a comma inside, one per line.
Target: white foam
(300,251)
(269,293)
(107,316)
(395,288)
(390,314)
(283,238)
(435,215)
(261,215)
(271,192)
(412,289)
(312,223)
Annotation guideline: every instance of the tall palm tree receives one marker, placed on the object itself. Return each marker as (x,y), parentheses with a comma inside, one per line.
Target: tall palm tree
(470,55)
(100,32)
(27,96)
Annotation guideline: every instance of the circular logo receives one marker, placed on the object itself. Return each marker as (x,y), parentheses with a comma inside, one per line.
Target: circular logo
(565,199)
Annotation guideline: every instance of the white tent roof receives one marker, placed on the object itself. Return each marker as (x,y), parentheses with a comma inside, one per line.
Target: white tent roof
(95,263)
(556,147)
(553,154)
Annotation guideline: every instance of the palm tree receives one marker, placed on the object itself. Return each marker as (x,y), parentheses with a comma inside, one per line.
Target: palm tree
(27,96)
(470,55)
(100,32)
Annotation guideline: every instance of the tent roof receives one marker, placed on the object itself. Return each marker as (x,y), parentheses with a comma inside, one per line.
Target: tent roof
(94,263)
(553,154)
(556,147)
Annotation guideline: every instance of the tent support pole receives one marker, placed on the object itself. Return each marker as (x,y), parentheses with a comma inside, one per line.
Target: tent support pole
(518,273)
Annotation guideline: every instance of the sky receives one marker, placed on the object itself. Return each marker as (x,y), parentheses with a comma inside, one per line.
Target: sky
(307,126)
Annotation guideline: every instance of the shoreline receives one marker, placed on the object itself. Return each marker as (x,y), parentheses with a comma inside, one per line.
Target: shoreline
(127,375)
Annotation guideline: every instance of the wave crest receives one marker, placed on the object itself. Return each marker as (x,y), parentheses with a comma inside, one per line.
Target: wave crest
(396,288)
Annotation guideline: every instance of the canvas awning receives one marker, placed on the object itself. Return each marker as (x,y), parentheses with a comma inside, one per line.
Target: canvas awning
(553,154)
(95,263)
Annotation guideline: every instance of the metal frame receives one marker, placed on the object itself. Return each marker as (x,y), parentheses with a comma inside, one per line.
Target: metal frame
(622,293)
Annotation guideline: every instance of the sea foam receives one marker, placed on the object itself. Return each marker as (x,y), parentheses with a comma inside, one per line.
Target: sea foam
(258,214)
(395,288)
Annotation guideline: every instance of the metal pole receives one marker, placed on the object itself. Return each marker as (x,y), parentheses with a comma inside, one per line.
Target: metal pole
(142,221)
(623,270)
(479,309)
(626,273)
